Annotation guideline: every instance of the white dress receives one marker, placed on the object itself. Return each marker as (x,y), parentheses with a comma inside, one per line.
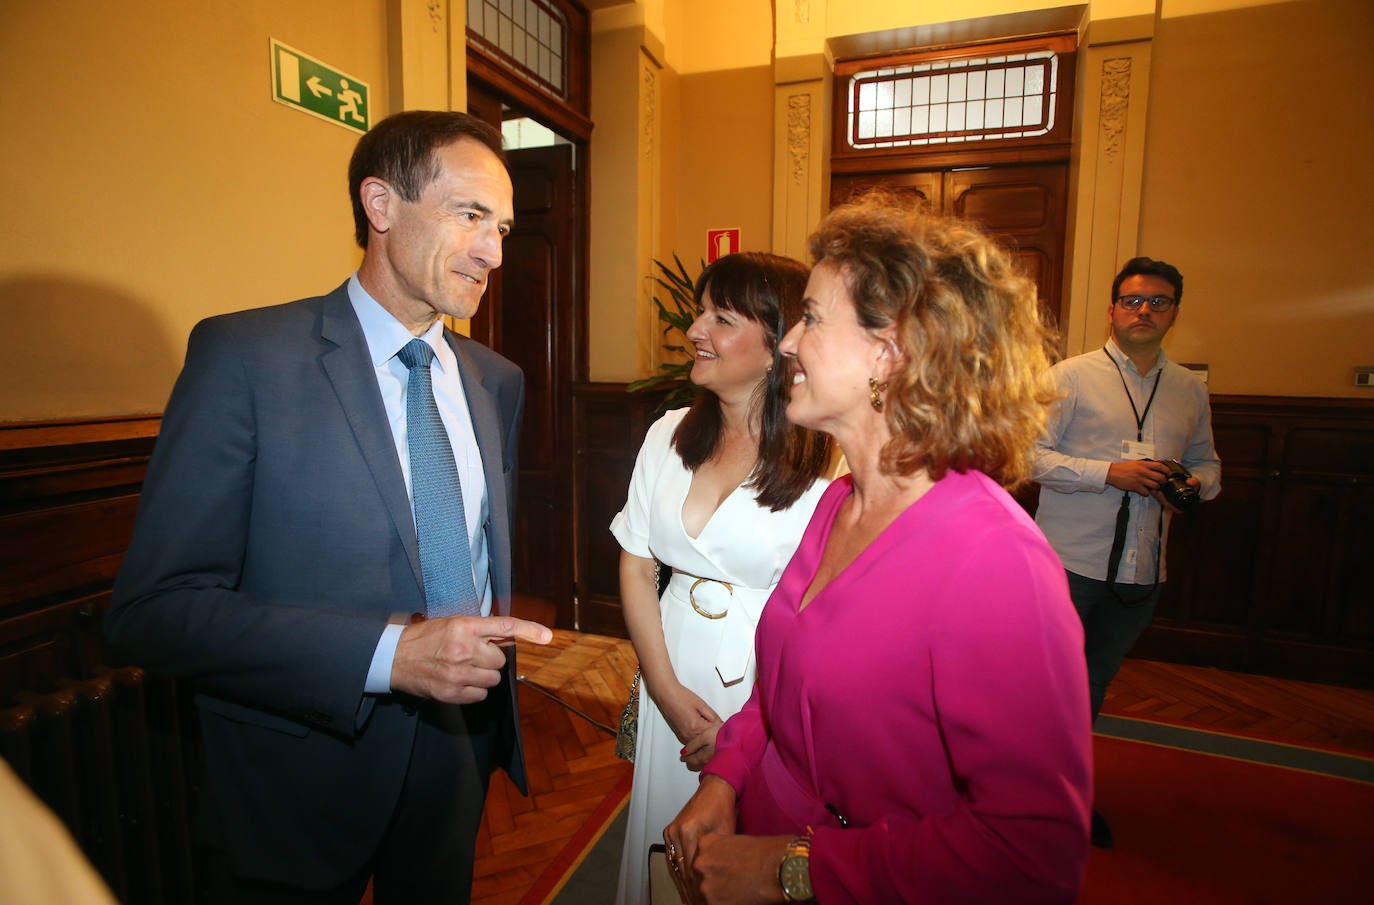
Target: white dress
(743,544)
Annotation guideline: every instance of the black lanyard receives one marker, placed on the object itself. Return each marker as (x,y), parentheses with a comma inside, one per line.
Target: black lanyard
(1139,415)
(1123,513)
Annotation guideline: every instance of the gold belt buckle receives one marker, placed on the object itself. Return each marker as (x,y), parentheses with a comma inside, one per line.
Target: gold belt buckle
(692,598)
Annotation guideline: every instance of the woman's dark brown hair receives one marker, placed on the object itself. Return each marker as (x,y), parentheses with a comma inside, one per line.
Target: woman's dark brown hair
(767,289)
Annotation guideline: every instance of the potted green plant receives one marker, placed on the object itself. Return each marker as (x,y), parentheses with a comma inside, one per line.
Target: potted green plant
(672,378)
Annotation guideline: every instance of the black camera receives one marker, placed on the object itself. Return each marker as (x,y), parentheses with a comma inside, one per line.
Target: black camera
(1176,489)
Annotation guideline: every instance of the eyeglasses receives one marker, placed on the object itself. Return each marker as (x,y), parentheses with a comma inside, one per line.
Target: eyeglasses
(1157,302)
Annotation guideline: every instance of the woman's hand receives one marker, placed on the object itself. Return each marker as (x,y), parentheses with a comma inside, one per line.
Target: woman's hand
(710,810)
(738,870)
(687,714)
(700,748)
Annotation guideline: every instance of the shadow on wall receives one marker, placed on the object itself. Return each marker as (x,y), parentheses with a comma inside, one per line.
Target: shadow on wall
(76,349)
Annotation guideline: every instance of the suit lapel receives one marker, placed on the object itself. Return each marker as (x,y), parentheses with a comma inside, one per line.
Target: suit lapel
(348,366)
(486,425)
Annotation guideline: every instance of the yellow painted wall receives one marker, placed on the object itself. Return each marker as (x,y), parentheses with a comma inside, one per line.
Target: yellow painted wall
(700,130)
(724,144)
(618,307)
(1258,185)
(1256,174)
(152,181)
(725,151)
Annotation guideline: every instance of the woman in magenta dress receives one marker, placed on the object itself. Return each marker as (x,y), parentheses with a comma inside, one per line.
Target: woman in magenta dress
(917,730)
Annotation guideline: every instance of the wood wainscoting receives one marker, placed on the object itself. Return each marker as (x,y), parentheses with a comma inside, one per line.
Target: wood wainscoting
(68,495)
(609,424)
(108,749)
(1275,576)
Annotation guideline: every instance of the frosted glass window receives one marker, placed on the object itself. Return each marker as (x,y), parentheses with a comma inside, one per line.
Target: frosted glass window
(530,35)
(951,101)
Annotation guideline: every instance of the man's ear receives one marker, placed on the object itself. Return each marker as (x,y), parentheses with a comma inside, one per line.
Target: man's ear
(377,199)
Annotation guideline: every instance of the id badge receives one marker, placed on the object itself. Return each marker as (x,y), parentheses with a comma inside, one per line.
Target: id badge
(1136,449)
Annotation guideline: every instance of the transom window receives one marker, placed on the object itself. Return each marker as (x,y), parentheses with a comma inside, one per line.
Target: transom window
(953,100)
(531,36)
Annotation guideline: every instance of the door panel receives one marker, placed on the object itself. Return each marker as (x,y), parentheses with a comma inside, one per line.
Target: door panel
(533,329)
(1023,207)
(925,189)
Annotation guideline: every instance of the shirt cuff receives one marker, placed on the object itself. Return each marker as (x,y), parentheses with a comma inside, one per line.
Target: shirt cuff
(1095,475)
(379,673)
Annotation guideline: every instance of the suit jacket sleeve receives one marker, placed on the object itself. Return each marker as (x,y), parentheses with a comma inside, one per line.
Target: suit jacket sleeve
(180,606)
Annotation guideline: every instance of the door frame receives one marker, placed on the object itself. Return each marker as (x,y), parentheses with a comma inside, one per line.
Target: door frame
(569,342)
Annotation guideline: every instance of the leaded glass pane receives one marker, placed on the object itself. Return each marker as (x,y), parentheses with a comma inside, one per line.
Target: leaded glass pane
(1016,81)
(868,97)
(1013,112)
(939,116)
(901,121)
(958,86)
(866,126)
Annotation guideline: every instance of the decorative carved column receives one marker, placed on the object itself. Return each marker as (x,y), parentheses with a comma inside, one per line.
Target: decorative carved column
(419,38)
(800,173)
(802,73)
(1108,169)
(628,85)
(650,344)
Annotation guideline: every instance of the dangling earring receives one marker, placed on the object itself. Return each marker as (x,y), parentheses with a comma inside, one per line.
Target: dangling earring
(874,388)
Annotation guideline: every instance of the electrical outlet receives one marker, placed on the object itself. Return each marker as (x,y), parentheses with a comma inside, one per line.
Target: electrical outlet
(1198,369)
(1364,376)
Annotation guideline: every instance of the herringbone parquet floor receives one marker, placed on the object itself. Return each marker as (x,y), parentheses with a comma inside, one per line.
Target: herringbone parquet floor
(573,767)
(571,762)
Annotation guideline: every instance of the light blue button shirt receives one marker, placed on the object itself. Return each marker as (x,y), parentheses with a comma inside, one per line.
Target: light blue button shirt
(385,336)
(1084,437)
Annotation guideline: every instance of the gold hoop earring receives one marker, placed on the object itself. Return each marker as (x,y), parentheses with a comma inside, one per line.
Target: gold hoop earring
(874,389)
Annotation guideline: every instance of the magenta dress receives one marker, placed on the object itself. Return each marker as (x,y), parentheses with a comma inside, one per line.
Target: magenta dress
(934,695)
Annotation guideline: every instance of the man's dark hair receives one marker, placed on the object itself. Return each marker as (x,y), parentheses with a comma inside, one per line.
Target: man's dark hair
(1149,267)
(399,150)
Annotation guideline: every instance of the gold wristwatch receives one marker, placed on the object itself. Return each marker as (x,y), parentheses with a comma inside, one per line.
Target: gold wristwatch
(794,873)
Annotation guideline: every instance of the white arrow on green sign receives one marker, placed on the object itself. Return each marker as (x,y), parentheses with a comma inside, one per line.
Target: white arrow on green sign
(301,81)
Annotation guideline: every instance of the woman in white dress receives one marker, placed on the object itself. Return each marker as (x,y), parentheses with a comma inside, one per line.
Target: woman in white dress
(721,494)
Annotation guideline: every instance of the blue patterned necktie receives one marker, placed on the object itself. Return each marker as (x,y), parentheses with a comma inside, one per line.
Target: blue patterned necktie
(436,495)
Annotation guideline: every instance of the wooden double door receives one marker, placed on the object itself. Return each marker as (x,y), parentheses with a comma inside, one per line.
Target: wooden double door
(1023,206)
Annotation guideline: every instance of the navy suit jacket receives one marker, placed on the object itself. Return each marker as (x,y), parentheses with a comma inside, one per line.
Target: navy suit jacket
(274,540)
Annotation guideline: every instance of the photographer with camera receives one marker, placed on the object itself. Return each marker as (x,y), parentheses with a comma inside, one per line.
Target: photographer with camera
(1129,446)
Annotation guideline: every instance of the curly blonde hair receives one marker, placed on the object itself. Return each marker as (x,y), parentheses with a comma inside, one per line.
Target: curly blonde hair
(974,388)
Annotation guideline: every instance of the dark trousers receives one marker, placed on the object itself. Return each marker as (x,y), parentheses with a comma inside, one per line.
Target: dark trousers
(1111,625)
(425,856)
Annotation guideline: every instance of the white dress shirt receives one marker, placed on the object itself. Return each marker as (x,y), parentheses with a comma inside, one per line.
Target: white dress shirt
(1084,437)
(385,337)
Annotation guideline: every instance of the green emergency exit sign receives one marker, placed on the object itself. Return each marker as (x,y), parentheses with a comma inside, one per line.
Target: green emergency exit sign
(301,81)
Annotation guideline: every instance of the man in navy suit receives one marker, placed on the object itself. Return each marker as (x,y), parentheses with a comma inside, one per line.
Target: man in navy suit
(275,561)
